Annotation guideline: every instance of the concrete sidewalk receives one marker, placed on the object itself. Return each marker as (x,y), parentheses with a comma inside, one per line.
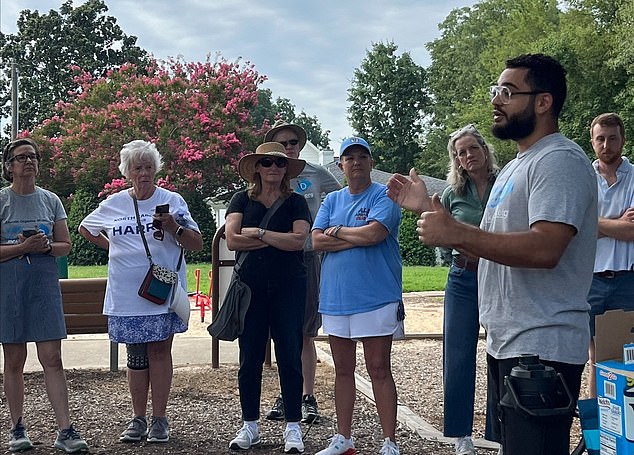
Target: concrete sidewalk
(190,348)
(93,352)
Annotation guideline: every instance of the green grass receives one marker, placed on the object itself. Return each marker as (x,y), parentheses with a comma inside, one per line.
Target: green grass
(414,278)
(421,278)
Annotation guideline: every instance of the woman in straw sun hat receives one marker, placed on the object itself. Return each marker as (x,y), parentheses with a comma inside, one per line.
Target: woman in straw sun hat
(275,272)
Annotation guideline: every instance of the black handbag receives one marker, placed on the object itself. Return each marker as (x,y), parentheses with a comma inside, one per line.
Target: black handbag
(228,323)
(159,282)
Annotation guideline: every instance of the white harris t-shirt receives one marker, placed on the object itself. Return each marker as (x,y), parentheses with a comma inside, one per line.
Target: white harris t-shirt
(128,262)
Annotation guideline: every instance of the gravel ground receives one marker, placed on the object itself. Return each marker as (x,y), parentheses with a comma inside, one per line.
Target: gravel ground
(204,408)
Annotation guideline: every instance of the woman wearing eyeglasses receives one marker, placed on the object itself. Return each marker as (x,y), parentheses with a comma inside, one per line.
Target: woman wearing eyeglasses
(275,272)
(472,172)
(33,231)
(147,329)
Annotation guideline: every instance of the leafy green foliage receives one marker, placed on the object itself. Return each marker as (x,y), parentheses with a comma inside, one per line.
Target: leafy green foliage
(197,114)
(413,252)
(267,112)
(47,46)
(83,252)
(389,100)
(203,215)
(591,38)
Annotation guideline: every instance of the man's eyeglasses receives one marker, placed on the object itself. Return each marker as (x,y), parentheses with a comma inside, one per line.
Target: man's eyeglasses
(504,93)
(291,142)
(268,162)
(23,157)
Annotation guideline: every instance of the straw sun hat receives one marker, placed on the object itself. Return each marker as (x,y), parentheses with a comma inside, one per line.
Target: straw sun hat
(280,125)
(246,165)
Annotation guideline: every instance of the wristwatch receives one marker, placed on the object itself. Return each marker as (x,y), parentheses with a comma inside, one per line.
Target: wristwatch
(261,232)
(179,231)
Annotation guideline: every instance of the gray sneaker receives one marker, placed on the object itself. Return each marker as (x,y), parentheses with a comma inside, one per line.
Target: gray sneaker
(137,430)
(69,441)
(19,439)
(159,430)
(310,413)
(277,411)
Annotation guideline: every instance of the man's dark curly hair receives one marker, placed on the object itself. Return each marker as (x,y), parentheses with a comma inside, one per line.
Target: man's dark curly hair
(544,73)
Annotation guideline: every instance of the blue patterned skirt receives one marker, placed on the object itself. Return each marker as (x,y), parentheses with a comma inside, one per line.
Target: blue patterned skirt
(144,329)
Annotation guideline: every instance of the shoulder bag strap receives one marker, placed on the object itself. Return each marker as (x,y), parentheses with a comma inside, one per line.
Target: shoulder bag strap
(265,221)
(140,227)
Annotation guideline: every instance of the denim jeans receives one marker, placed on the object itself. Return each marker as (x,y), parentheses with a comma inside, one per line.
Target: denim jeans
(460,341)
(274,308)
(610,294)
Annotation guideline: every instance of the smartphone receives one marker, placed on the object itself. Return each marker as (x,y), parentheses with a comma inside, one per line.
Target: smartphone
(29,232)
(165,208)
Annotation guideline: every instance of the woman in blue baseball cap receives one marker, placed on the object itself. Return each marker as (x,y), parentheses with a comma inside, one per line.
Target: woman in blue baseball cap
(361,290)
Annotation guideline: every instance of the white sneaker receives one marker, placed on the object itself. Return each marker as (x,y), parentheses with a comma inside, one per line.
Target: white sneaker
(339,446)
(464,446)
(389,448)
(293,440)
(245,438)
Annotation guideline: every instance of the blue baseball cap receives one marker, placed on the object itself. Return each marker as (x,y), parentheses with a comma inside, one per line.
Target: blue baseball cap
(353,140)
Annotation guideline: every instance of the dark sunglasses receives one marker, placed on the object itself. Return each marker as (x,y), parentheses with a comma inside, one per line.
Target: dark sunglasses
(291,142)
(268,162)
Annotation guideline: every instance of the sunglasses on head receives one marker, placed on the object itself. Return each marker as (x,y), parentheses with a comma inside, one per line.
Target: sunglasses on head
(268,162)
(291,142)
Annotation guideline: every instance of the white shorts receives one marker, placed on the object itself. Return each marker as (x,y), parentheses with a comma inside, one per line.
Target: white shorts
(380,322)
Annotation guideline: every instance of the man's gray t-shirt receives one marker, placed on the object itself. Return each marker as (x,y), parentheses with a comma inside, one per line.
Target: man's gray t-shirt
(541,311)
(314,183)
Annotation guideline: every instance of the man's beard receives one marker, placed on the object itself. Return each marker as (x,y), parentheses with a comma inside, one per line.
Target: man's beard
(517,127)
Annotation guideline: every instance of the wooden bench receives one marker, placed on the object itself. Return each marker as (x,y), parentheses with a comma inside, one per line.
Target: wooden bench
(83,310)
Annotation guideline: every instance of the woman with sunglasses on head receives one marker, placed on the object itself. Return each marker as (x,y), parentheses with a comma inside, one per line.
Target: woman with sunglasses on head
(472,172)
(147,329)
(274,271)
(33,231)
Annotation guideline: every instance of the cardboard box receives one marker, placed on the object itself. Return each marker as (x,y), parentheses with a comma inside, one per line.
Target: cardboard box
(615,382)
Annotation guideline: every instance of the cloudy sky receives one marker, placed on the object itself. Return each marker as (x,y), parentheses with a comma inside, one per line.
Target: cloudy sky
(307,49)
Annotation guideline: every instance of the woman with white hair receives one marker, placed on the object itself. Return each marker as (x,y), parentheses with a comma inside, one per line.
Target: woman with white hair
(147,329)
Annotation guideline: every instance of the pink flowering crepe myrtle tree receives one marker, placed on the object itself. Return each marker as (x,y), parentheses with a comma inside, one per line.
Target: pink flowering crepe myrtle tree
(197,114)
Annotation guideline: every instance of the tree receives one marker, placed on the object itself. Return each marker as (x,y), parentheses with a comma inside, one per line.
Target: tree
(267,112)
(389,101)
(47,46)
(591,38)
(198,115)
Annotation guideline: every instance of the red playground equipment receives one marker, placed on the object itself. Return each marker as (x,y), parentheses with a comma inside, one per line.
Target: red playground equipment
(203,301)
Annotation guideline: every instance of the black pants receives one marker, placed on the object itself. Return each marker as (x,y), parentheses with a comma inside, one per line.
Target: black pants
(498,369)
(277,306)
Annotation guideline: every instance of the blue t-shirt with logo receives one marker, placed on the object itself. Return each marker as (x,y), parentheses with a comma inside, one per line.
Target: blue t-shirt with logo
(360,279)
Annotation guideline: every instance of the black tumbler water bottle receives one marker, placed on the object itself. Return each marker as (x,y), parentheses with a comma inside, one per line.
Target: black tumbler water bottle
(535,410)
